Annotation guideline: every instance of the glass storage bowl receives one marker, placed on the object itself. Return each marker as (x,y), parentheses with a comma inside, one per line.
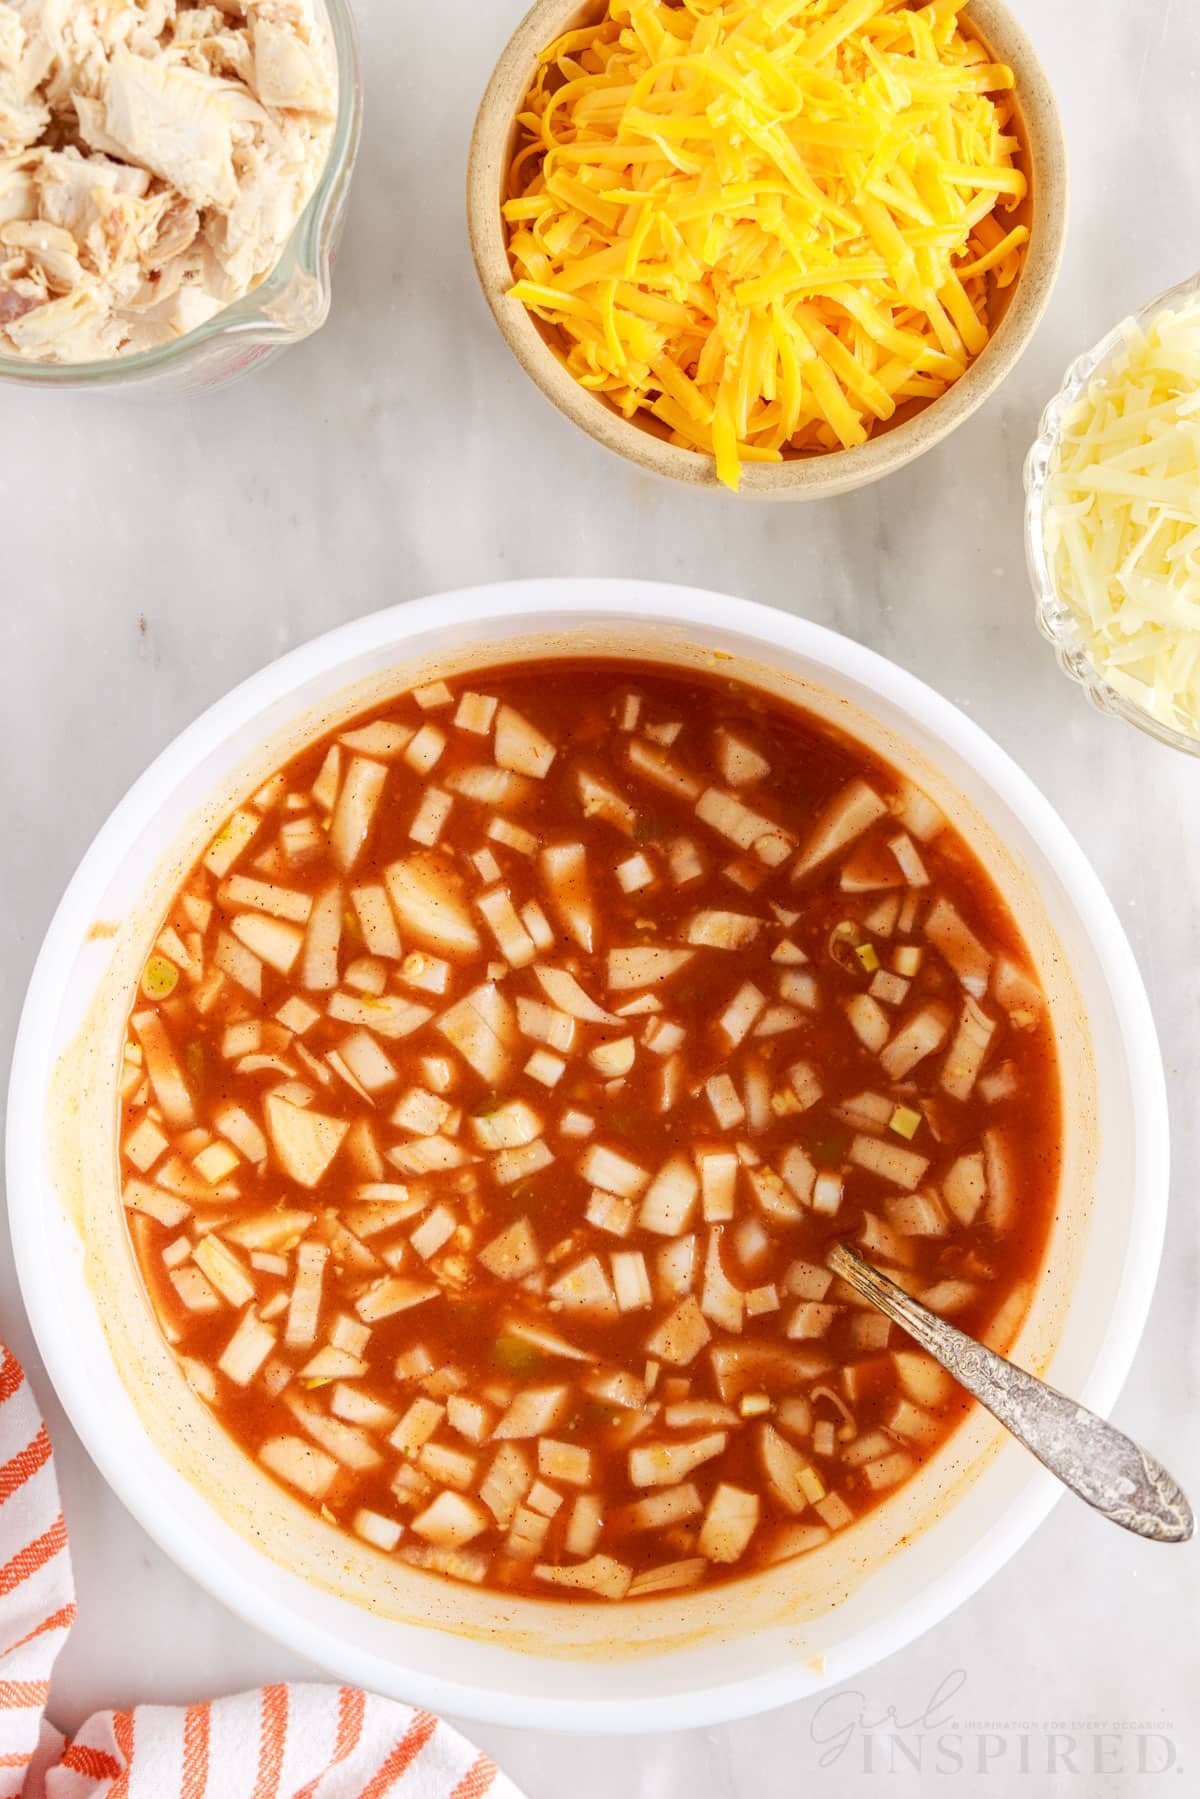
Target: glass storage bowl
(289,305)
(1055,618)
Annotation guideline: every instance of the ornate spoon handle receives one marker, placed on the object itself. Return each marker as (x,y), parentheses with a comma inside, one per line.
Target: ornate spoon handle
(1090,1457)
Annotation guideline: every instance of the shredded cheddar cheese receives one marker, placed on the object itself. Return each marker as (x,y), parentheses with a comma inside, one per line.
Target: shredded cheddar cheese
(1122,517)
(766,225)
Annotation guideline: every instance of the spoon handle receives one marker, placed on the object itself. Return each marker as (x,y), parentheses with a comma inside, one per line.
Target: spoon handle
(1095,1460)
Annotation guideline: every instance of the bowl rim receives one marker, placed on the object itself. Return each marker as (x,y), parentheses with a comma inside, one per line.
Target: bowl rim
(307,253)
(35,1055)
(838,471)
(1056,618)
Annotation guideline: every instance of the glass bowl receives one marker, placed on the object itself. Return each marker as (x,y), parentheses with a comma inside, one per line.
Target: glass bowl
(1056,620)
(289,305)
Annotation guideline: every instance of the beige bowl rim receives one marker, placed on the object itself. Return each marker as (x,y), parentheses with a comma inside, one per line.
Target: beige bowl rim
(801,478)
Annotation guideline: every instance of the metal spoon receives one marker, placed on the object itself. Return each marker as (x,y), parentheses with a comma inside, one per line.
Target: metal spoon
(1092,1458)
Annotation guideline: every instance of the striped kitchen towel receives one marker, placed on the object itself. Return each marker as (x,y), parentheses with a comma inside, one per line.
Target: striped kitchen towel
(283,1742)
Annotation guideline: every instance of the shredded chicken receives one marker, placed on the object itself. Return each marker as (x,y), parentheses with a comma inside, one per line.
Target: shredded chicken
(155,156)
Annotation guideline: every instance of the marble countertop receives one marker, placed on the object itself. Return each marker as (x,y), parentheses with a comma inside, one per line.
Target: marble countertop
(155,552)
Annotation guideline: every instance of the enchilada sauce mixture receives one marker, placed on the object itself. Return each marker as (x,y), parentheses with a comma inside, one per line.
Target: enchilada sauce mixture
(497,1083)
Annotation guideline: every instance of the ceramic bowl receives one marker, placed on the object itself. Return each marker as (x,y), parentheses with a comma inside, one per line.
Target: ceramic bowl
(801,477)
(689,1659)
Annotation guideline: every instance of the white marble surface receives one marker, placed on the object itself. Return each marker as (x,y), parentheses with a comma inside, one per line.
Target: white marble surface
(156,553)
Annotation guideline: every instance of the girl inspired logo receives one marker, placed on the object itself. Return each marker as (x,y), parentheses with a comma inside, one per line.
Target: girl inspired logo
(934,1740)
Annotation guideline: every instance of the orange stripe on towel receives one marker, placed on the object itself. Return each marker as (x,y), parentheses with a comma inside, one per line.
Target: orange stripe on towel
(98,1764)
(25,1465)
(403,1755)
(35,1555)
(18,1695)
(195,1751)
(352,1709)
(11,1375)
(476,1782)
(123,1732)
(271,1742)
(62,1619)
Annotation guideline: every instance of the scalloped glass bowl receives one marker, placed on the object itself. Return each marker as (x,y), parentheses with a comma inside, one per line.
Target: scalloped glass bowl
(287,307)
(1056,621)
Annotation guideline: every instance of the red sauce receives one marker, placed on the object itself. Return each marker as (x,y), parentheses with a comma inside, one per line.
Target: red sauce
(750,1403)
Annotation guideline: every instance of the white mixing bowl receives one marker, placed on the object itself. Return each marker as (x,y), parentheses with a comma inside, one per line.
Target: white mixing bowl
(695,1658)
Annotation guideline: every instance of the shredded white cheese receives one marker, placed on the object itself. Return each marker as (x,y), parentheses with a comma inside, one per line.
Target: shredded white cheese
(1122,517)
